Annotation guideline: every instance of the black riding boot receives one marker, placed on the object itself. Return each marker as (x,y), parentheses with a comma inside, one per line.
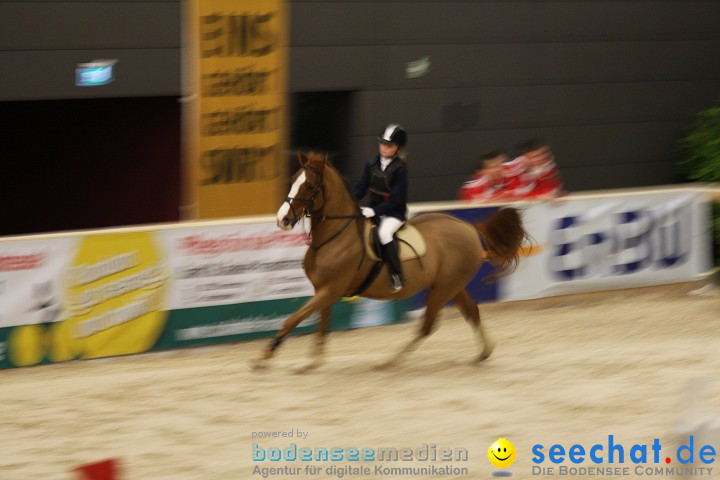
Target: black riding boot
(390,255)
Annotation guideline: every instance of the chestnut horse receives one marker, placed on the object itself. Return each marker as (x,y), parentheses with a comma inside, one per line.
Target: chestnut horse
(337,266)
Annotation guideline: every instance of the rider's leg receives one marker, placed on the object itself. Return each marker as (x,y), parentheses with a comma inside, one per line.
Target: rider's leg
(386,231)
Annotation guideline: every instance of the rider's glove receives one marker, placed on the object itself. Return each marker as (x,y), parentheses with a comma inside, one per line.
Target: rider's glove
(368,212)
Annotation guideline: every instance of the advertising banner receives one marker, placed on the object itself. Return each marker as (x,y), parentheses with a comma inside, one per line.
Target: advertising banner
(30,301)
(235,264)
(109,293)
(237,119)
(118,293)
(89,296)
(612,243)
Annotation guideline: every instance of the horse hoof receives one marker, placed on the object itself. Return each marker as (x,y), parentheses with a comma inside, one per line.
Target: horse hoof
(486,353)
(259,365)
(307,368)
(383,366)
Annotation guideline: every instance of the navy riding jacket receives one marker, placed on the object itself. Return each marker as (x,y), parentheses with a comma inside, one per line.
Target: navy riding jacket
(392,200)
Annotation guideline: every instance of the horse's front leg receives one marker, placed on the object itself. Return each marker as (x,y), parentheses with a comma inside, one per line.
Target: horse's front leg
(322,301)
(318,354)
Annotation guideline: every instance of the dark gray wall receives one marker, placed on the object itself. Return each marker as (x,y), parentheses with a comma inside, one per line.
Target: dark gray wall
(71,158)
(42,41)
(609,84)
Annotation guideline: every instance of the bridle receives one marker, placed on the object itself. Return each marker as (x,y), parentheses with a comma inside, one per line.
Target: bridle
(309,210)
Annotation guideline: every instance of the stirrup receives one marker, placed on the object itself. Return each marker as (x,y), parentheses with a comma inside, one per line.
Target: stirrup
(396,283)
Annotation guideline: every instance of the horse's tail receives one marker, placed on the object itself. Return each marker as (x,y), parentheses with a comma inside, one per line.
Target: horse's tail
(503,235)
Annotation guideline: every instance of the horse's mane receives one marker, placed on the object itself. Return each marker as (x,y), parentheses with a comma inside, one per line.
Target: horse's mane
(317,161)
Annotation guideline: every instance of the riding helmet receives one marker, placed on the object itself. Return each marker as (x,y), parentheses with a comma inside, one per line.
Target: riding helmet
(394,134)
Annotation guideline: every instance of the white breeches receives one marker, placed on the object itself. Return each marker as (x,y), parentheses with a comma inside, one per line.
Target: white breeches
(388,227)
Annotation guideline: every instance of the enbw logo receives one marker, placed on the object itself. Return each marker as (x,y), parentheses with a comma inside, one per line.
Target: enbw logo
(597,244)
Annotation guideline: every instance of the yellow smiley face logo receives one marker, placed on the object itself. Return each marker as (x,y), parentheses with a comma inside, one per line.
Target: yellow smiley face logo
(502,453)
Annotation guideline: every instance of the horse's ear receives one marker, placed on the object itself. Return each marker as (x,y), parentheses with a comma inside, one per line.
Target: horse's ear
(302,158)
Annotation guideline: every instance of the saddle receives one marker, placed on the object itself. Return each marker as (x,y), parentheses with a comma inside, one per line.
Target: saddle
(411,244)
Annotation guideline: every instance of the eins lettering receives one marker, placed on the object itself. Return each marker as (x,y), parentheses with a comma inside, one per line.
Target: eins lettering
(247,35)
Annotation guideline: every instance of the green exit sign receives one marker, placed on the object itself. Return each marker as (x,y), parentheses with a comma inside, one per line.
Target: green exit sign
(95,73)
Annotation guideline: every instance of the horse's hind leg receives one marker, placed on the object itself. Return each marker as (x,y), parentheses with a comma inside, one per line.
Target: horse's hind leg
(471,312)
(436,299)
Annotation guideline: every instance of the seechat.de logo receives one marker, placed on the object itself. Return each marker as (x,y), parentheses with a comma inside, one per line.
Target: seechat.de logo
(615,459)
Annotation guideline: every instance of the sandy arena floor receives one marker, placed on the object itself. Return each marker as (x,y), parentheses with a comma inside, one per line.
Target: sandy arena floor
(569,370)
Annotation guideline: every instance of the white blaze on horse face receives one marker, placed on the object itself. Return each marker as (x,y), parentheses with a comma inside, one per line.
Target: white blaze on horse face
(285,207)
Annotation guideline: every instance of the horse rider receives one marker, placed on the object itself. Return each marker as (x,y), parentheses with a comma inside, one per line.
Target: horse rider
(386,178)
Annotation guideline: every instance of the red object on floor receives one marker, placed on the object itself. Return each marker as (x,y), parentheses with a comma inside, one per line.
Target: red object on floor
(104,470)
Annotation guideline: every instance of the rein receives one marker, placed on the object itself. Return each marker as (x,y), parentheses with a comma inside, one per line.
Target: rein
(336,234)
(310,213)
